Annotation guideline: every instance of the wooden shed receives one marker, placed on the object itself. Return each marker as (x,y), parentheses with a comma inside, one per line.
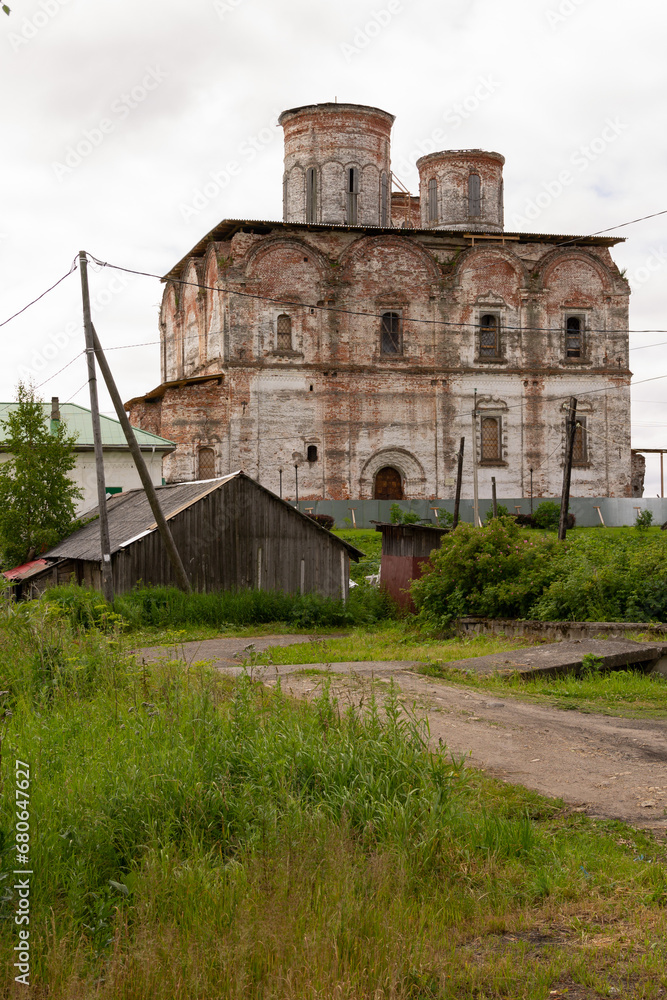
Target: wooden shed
(231,533)
(405,549)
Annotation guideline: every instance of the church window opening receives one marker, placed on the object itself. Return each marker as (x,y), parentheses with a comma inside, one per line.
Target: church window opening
(388,484)
(433,200)
(352,195)
(391,333)
(580,450)
(474,195)
(384,201)
(573,339)
(311,194)
(490,439)
(311,453)
(284,332)
(206,464)
(489,336)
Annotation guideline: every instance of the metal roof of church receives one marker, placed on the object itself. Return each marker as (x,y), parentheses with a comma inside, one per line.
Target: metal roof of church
(228,227)
(78,421)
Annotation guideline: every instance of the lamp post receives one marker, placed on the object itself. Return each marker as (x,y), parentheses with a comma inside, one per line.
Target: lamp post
(531,490)
(296,482)
(280,473)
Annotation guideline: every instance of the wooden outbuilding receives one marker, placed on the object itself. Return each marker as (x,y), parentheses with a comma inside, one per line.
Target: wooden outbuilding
(231,533)
(405,549)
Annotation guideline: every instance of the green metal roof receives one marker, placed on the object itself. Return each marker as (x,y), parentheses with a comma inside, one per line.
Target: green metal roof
(78,421)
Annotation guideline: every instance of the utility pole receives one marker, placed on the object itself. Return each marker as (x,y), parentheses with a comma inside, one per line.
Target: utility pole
(571,430)
(144,475)
(475,488)
(105,545)
(493,496)
(459,478)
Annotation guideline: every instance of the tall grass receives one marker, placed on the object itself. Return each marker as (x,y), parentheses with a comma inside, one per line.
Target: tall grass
(198,837)
(169,607)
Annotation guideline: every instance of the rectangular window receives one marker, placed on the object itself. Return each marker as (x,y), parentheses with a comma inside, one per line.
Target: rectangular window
(474,195)
(352,195)
(433,200)
(580,449)
(490,439)
(384,201)
(390,333)
(311,195)
(489,336)
(573,337)
(284,333)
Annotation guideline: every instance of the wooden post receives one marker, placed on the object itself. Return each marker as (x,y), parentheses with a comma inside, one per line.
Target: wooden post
(296,483)
(475,486)
(354,520)
(144,475)
(494,501)
(281,483)
(459,477)
(571,427)
(105,545)
(531,491)
(600,516)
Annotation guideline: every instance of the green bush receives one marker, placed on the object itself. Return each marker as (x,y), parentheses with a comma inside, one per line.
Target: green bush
(644,520)
(400,516)
(501,511)
(547,515)
(497,571)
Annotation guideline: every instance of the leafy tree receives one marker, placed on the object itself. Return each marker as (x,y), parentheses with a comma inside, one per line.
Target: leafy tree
(37,497)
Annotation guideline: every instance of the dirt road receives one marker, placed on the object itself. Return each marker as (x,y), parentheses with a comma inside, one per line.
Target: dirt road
(606,766)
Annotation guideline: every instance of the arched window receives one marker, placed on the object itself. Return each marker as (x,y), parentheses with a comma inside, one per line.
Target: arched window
(433,200)
(388,484)
(474,195)
(390,333)
(206,464)
(573,337)
(384,201)
(489,336)
(284,332)
(352,195)
(580,448)
(490,439)
(311,194)
(311,453)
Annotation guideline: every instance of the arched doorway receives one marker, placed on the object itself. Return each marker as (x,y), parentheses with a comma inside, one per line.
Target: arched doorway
(388,484)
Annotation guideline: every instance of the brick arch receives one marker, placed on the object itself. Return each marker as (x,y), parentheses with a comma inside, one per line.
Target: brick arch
(290,247)
(476,267)
(410,468)
(564,256)
(368,248)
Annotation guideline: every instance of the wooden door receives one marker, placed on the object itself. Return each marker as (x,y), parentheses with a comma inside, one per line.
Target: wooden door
(388,484)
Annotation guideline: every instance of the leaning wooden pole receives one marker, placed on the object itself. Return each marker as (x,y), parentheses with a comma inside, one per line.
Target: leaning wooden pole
(147,482)
(105,545)
(567,471)
(459,478)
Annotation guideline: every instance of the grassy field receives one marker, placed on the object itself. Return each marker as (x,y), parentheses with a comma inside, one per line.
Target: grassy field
(194,837)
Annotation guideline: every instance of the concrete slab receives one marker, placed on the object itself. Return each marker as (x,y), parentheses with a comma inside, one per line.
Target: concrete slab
(564,657)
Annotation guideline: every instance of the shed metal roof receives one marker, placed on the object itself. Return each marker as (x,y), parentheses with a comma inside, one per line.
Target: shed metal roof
(130,518)
(78,421)
(228,227)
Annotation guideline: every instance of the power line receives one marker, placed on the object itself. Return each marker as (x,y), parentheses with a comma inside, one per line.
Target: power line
(46,292)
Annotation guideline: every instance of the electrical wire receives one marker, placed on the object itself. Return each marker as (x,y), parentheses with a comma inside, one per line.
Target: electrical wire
(81,354)
(46,292)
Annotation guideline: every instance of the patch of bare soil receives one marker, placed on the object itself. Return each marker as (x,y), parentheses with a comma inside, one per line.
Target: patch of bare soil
(605,766)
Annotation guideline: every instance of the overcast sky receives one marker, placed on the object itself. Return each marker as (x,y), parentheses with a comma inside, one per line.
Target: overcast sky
(120,120)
